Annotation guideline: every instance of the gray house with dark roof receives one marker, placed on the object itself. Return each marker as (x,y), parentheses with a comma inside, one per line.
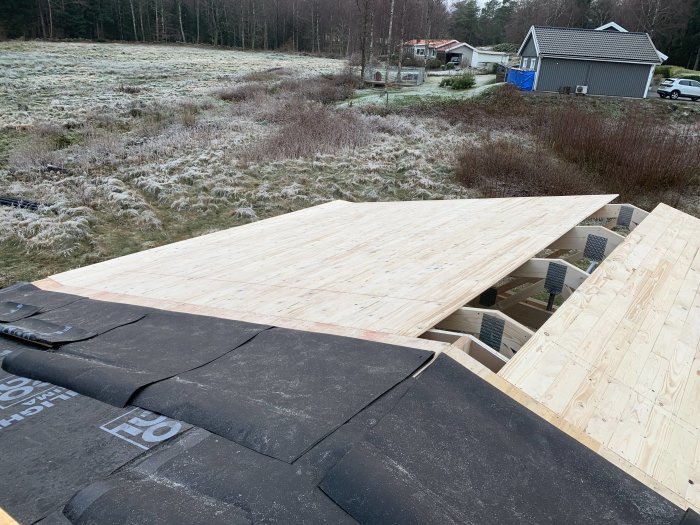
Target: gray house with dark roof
(590,61)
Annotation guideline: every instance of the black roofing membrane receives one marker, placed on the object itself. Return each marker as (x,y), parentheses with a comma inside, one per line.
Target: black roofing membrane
(54,442)
(285,390)
(366,441)
(11,311)
(31,296)
(114,365)
(79,320)
(200,479)
(457,450)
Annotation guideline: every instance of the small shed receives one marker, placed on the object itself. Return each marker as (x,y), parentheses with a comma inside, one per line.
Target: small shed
(590,61)
(381,76)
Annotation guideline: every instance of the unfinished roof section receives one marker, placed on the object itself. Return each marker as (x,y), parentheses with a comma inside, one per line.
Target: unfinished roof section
(620,360)
(594,44)
(392,267)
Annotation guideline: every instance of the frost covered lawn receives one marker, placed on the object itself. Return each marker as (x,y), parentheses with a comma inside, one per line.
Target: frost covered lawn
(429,89)
(132,146)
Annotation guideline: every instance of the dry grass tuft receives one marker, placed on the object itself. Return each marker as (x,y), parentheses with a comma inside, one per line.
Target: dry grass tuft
(327,89)
(308,130)
(188,113)
(241,93)
(130,90)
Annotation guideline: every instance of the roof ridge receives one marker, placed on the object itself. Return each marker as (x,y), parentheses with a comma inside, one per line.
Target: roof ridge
(591,30)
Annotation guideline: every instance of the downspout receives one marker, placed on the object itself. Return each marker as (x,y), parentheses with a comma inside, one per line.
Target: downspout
(538,66)
(649,80)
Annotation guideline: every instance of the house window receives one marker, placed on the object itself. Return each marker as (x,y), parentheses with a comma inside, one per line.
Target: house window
(420,51)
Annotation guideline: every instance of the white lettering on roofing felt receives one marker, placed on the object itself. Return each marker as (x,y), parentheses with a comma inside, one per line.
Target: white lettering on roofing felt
(14,390)
(142,428)
(37,403)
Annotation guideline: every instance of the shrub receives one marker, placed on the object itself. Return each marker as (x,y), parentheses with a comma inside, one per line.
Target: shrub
(504,168)
(188,113)
(691,77)
(506,47)
(463,81)
(433,63)
(632,155)
(664,71)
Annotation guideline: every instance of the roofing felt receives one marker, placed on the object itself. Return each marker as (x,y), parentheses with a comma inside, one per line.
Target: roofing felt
(467,450)
(591,43)
(114,365)
(265,386)
(23,299)
(455,450)
(54,442)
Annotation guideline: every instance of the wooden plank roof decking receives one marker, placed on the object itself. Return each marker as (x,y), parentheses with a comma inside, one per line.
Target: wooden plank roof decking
(391,267)
(620,360)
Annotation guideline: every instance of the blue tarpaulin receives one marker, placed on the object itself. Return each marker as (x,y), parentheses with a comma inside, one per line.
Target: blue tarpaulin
(523,78)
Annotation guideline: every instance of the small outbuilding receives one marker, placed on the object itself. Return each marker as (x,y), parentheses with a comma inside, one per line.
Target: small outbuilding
(381,75)
(590,61)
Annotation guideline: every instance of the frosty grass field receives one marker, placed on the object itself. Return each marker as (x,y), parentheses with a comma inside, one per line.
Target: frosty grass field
(132,146)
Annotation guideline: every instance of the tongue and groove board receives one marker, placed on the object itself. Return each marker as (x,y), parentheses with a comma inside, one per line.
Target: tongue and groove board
(620,361)
(392,267)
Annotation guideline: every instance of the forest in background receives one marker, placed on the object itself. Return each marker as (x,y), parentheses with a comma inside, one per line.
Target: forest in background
(370,28)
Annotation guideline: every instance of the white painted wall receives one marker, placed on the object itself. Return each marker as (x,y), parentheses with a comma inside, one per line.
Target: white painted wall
(483,59)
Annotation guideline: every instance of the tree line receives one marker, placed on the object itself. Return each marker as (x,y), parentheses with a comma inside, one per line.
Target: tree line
(366,28)
(674,25)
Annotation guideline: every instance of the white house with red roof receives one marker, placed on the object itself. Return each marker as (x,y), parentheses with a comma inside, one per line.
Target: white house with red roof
(450,50)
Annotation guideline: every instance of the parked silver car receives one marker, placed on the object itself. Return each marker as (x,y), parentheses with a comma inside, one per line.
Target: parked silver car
(679,87)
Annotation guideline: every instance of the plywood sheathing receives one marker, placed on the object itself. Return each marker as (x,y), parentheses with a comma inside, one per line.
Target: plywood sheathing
(392,267)
(620,360)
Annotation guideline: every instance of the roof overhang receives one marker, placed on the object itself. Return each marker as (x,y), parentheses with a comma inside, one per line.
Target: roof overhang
(530,33)
(595,59)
